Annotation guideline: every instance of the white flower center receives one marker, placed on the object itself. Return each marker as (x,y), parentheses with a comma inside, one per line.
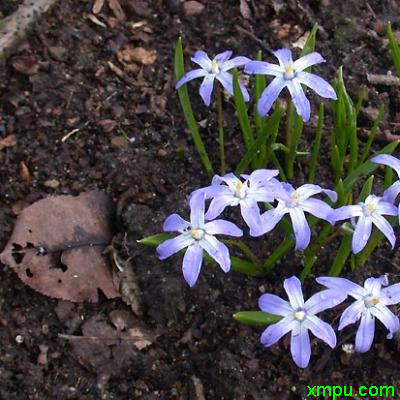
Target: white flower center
(214,67)
(371,300)
(368,209)
(300,314)
(197,234)
(295,197)
(240,190)
(289,72)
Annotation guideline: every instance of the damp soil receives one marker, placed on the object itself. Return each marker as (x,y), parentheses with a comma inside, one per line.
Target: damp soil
(124,134)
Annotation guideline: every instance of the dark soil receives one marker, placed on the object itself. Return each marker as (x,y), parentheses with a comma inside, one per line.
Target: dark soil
(67,86)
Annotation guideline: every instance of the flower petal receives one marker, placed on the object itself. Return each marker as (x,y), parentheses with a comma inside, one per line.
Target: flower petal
(172,246)
(385,207)
(273,304)
(307,61)
(316,207)
(343,285)
(390,295)
(224,56)
(230,179)
(387,318)
(373,285)
(262,176)
(321,330)
(226,80)
(389,160)
(319,85)
(192,261)
(235,63)
(390,194)
(197,210)
(263,68)
(206,89)
(292,287)
(300,346)
(308,190)
(251,214)
(217,250)
(323,300)
(365,333)
(201,58)
(384,227)
(346,212)
(218,204)
(269,95)
(175,223)
(299,99)
(196,73)
(361,233)
(284,56)
(301,228)
(275,331)
(271,218)
(351,314)
(222,227)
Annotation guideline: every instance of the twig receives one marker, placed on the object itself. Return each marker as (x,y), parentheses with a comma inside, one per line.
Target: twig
(69,134)
(255,38)
(100,338)
(380,79)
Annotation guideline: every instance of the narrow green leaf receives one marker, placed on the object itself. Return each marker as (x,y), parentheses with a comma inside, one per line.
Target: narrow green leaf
(241,110)
(188,112)
(341,256)
(155,240)
(341,193)
(366,189)
(272,125)
(372,134)
(367,167)
(257,318)
(309,261)
(388,180)
(394,48)
(278,253)
(309,46)
(316,145)
(361,98)
(335,161)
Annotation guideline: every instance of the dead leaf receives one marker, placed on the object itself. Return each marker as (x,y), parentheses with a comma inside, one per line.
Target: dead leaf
(8,141)
(95,20)
(245,9)
(107,125)
(97,6)
(117,9)
(121,74)
(192,7)
(24,172)
(26,65)
(139,7)
(129,54)
(69,233)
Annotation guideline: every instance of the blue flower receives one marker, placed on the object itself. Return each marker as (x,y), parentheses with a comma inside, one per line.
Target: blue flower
(291,75)
(296,202)
(368,213)
(217,68)
(299,317)
(371,302)
(197,236)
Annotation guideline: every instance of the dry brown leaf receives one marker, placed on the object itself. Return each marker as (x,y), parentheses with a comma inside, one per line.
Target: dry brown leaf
(192,7)
(245,9)
(26,65)
(97,6)
(24,172)
(73,231)
(95,20)
(129,54)
(117,9)
(8,141)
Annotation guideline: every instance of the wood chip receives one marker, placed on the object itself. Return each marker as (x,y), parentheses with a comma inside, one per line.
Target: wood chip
(97,6)
(386,80)
(117,9)
(95,20)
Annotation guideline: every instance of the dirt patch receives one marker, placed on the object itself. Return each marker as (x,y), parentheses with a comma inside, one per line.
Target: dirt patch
(87,119)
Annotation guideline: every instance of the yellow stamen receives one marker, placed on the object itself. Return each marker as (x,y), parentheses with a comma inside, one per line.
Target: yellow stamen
(299,315)
(197,234)
(370,207)
(214,67)
(289,69)
(295,197)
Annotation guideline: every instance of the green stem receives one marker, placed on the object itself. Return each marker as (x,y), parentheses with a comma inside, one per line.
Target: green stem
(244,249)
(221,130)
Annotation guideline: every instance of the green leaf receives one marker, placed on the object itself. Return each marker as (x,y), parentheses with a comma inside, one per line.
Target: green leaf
(394,48)
(341,256)
(278,253)
(366,189)
(372,134)
(155,240)
(361,97)
(242,113)
(272,125)
(309,261)
(188,112)
(316,145)
(257,318)
(388,180)
(366,168)
(309,46)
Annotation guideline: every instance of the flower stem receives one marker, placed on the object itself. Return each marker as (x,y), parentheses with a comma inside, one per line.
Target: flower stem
(221,130)
(244,249)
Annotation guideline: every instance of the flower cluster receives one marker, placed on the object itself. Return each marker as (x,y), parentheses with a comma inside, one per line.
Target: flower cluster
(290,74)
(298,317)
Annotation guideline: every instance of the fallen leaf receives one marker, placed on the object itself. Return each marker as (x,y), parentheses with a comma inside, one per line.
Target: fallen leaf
(95,20)
(129,54)
(97,6)
(52,183)
(25,65)
(8,141)
(139,7)
(192,7)
(117,9)
(70,234)
(245,9)
(108,125)
(24,172)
